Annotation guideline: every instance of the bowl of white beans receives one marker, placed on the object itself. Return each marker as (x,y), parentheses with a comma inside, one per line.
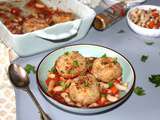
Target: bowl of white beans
(145,20)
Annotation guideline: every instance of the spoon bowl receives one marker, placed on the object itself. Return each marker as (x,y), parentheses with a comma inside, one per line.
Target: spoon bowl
(18,76)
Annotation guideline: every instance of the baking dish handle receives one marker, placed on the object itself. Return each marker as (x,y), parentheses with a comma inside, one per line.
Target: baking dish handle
(60,31)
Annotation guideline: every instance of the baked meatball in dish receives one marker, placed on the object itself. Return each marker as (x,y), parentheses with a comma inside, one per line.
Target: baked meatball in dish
(71,64)
(32,24)
(60,16)
(106,69)
(84,90)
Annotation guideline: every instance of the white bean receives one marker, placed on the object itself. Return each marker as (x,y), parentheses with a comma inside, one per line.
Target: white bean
(104,85)
(51,75)
(79,105)
(93,105)
(39,5)
(66,98)
(121,87)
(112,98)
(58,89)
(51,85)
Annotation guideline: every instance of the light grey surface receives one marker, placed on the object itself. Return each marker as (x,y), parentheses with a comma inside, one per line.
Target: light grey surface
(130,45)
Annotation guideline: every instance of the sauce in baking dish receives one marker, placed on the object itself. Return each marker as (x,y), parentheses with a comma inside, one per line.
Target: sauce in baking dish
(25,16)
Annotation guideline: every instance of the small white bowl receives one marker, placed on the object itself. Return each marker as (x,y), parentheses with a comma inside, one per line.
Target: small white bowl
(141,30)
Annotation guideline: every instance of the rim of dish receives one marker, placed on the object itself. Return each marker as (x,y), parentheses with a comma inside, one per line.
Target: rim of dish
(42,90)
(141,7)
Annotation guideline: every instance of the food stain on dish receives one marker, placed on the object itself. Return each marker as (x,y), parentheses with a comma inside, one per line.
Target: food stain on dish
(29,15)
(86,82)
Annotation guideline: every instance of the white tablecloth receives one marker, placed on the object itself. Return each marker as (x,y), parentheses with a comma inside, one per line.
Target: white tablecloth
(7,94)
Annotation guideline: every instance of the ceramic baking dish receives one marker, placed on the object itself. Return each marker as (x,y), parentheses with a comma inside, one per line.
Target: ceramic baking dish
(53,36)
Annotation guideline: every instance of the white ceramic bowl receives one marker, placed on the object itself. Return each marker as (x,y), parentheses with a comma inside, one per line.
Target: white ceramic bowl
(141,30)
(88,51)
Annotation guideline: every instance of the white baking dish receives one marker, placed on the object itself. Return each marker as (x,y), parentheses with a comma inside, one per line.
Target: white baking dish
(53,36)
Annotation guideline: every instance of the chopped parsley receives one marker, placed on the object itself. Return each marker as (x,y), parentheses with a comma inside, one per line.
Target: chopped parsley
(75,63)
(110,84)
(149,43)
(144,58)
(139,91)
(104,56)
(71,72)
(86,83)
(121,31)
(53,70)
(30,68)
(66,53)
(62,71)
(64,84)
(115,60)
(155,79)
(103,95)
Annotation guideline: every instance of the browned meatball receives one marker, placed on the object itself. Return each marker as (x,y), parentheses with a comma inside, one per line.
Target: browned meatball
(106,69)
(71,64)
(84,90)
(60,16)
(32,24)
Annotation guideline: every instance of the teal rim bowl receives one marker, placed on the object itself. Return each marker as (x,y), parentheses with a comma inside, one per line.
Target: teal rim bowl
(87,50)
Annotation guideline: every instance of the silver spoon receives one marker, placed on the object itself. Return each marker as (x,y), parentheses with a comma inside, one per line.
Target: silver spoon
(20,79)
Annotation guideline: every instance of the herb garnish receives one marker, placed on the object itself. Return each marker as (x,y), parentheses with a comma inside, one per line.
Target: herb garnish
(75,63)
(62,71)
(155,79)
(144,58)
(30,68)
(110,84)
(53,70)
(66,53)
(121,31)
(64,84)
(104,56)
(149,43)
(86,83)
(139,91)
(103,95)
(72,72)
(115,60)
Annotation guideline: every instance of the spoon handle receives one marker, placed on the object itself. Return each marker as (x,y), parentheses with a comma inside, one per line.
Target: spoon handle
(44,116)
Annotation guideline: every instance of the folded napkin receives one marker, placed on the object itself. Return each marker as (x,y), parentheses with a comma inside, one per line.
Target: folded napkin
(7,94)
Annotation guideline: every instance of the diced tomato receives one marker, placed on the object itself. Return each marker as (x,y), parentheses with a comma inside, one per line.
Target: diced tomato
(117,81)
(154,10)
(16,11)
(4,16)
(158,25)
(101,102)
(155,14)
(151,25)
(114,90)
(31,3)
(105,91)
(47,81)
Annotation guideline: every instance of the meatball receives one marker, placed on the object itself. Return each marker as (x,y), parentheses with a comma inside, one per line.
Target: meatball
(106,69)
(84,90)
(60,16)
(33,23)
(71,64)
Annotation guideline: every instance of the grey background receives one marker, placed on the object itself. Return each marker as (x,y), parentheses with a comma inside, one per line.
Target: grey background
(130,45)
